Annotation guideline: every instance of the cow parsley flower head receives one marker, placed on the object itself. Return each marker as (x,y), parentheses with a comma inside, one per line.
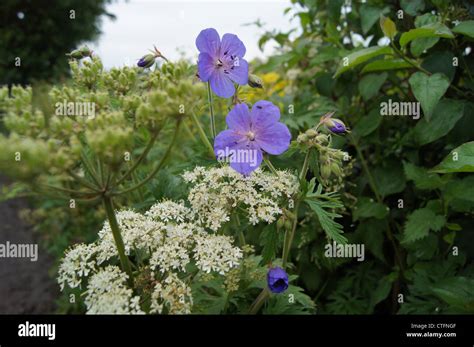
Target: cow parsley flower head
(221,61)
(78,263)
(107,293)
(252,133)
(171,296)
(216,192)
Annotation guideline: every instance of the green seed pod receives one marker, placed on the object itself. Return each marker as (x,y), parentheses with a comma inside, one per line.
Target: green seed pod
(325,171)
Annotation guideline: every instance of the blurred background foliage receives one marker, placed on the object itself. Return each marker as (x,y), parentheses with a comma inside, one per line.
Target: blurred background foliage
(416,223)
(41,32)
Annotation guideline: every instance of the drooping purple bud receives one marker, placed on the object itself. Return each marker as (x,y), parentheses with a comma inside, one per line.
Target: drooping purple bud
(277,280)
(338,127)
(146,61)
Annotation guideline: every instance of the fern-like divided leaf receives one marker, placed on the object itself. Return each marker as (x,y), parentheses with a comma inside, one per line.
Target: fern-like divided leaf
(323,204)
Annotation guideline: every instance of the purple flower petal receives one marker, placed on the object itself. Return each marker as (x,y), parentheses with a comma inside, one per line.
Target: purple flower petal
(208,41)
(247,159)
(238,118)
(232,46)
(264,114)
(274,139)
(205,66)
(239,73)
(227,139)
(221,84)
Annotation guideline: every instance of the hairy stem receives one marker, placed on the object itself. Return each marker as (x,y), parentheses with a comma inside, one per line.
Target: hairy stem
(211,110)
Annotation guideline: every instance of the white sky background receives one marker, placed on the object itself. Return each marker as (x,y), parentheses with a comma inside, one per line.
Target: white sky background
(174,25)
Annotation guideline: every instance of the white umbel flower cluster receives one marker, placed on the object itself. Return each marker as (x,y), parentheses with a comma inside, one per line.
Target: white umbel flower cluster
(216,192)
(107,293)
(164,240)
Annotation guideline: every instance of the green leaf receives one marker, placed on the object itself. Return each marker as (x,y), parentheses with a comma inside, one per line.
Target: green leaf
(369,16)
(383,288)
(430,30)
(457,291)
(444,118)
(461,159)
(326,219)
(461,189)
(269,240)
(388,27)
(389,178)
(369,85)
(367,207)
(386,64)
(420,222)
(360,57)
(412,7)
(428,90)
(371,232)
(281,303)
(367,124)
(465,28)
(421,177)
(418,46)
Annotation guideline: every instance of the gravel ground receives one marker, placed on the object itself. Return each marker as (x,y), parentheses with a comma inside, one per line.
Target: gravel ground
(25,286)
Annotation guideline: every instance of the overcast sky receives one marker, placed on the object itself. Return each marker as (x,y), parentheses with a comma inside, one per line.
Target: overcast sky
(172,25)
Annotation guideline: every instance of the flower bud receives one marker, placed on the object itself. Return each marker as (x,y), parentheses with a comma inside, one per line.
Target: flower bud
(146,61)
(255,82)
(277,280)
(336,169)
(80,53)
(336,126)
(311,133)
(325,171)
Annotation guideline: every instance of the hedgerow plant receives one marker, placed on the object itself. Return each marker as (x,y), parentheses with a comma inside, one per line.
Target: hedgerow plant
(409,195)
(257,214)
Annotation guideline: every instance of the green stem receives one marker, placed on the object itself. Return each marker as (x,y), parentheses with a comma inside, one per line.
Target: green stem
(83,181)
(211,110)
(159,166)
(142,156)
(259,301)
(124,261)
(202,134)
(270,165)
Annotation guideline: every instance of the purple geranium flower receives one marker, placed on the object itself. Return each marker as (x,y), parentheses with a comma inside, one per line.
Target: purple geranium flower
(250,133)
(277,280)
(220,62)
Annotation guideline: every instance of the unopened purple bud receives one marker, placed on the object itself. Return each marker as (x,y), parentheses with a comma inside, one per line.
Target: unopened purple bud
(277,280)
(338,128)
(146,61)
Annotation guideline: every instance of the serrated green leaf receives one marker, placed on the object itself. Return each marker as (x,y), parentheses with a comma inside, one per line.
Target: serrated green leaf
(420,222)
(421,177)
(326,219)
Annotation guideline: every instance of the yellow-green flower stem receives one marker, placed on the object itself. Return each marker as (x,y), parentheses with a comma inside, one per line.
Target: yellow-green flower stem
(270,165)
